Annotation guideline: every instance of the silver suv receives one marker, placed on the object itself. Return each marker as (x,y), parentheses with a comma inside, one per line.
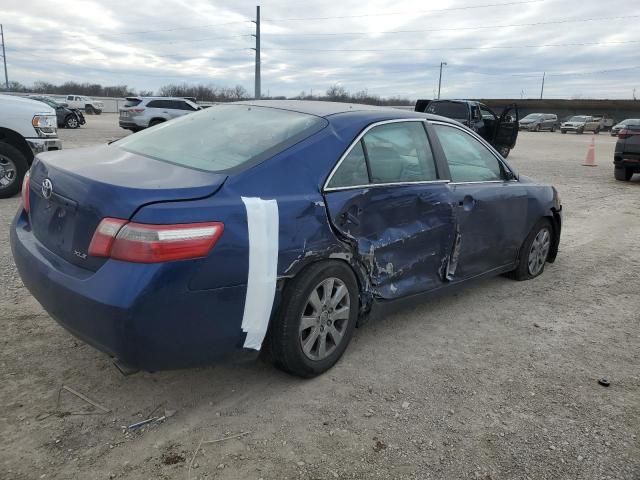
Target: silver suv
(142,112)
(535,122)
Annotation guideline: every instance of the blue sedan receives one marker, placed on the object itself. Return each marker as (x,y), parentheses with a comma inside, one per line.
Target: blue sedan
(270,225)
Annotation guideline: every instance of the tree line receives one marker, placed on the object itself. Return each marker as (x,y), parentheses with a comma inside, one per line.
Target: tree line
(203,93)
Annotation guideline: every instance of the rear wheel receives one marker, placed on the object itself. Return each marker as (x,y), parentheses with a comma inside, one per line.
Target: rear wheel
(315,322)
(553,128)
(534,251)
(13,166)
(537,128)
(580,131)
(596,131)
(155,121)
(623,174)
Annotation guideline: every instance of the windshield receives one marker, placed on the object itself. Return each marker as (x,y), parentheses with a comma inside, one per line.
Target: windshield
(224,137)
(532,116)
(48,101)
(578,119)
(448,109)
(630,121)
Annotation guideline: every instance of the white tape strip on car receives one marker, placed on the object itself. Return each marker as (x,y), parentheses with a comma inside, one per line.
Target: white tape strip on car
(262,222)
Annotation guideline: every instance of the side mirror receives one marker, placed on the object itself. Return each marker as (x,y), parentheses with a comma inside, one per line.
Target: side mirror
(509,175)
(65,105)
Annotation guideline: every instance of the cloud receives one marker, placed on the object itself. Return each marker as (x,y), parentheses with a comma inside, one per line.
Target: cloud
(389,48)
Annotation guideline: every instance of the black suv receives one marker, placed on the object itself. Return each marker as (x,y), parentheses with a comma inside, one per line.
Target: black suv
(500,131)
(626,159)
(67,117)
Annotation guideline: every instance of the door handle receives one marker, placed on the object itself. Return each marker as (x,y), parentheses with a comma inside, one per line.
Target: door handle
(467,203)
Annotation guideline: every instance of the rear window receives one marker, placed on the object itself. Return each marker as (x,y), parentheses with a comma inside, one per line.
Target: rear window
(132,102)
(224,137)
(455,110)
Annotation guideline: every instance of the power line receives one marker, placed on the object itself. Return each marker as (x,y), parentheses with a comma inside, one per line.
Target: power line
(448,48)
(556,22)
(413,12)
(175,28)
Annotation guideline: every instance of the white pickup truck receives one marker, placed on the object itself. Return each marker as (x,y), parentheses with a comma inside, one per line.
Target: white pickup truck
(27,127)
(81,102)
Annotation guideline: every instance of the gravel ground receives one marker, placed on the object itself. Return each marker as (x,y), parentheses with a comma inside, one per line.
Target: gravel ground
(497,382)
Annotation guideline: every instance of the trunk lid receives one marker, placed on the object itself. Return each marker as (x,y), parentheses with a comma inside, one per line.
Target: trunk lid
(87,184)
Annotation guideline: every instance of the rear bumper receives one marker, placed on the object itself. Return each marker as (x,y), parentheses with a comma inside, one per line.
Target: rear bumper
(627,160)
(39,145)
(143,315)
(131,124)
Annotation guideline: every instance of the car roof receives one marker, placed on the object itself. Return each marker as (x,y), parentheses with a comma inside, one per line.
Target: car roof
(326,109)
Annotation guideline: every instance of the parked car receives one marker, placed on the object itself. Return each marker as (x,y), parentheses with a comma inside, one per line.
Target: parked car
(626,159)
(500,131)
(81,102)
(606,122)
(67,117)
(534,122)
(27,127)
(271,224)
(142,112)
(582,123)
(615,130)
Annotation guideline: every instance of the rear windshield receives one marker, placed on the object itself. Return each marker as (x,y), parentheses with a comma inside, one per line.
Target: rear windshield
(132,102)
(454,110)
(224,137)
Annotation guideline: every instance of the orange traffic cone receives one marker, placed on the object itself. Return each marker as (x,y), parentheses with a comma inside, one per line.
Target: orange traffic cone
(590,161)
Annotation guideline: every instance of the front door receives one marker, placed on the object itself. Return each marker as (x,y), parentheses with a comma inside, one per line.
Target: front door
(490,204)
(506,131)
(387,199)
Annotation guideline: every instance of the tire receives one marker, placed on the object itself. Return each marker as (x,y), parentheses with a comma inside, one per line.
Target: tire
(553,129)
(504,151)
(155,121)
(537,128)
(622,173)
(564,132)
(580,132)
(71,122)
(524,271)
(89,109)
(287,336)
(97,111)
(596,131)
(13,167)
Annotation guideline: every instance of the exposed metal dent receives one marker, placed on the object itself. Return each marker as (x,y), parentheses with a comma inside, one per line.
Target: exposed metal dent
(452,262)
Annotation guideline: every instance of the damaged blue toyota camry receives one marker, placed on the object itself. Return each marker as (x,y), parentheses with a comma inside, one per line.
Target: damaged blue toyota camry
(270,225)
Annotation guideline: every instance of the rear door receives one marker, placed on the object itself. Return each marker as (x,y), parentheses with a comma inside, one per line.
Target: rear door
(506,131)
(490,204)
(386,198)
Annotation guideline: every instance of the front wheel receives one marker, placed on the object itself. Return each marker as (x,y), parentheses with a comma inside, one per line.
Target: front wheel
(97,111)
(13,166)
(622,173)
(72,122)
(504,151)
(89,109)
(537,128)
(534,252)
(596,131)
(315,321)
(553,129)
(580,131)
(564,132)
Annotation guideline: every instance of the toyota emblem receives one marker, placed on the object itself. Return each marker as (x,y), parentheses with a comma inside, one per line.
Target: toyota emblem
(47,188)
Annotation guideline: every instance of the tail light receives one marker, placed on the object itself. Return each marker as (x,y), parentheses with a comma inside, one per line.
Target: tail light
(137,110)
(627,133)
(25,192)
(146,243)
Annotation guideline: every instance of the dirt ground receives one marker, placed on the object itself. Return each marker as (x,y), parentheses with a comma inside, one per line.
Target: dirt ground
(497,382)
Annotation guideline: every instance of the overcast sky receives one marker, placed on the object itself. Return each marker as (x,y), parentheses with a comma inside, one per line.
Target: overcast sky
(589,48)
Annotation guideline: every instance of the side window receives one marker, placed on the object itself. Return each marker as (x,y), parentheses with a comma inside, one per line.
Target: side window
(70,97)
(487,114)
(352,171)
(468,159)
(154,104)
(186,106)
(475,113)
(399,152)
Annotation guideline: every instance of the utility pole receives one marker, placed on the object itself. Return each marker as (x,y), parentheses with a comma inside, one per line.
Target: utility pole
(440,79)
(257,50)
(4,59)
(542,89)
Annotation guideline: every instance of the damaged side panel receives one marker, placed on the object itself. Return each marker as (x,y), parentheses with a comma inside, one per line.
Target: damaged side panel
(402,234)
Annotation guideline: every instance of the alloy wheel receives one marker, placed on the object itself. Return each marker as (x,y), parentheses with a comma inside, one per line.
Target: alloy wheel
(72,122)
(539,251)
(324,319)
(8,171)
